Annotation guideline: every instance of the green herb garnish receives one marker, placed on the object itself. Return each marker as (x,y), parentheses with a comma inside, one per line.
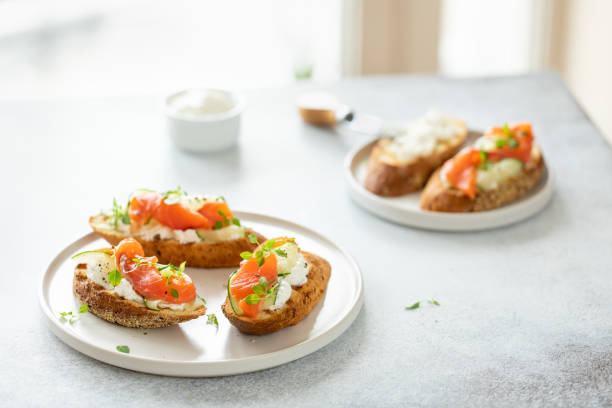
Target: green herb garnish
(218,225)
(499,143)
(246,255)
(212,319)
(513,143)
(174,293)
(252,239)
(507,130)
(120,213)
(114,277)
(220,198)
(236,222)
(73,317)
(418,304)
(281,253)
(252,299)
(174,196)
(123,349)
(482,155)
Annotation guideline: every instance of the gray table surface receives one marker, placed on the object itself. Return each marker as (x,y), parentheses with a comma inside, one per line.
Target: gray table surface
(526,310)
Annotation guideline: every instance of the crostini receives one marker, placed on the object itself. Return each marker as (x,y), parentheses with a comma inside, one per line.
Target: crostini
(502,166)
(402,164)
(276,286)
(175,227)
(121,285)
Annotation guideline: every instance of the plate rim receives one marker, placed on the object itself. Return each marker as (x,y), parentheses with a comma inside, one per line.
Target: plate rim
(439,221)
(215,368)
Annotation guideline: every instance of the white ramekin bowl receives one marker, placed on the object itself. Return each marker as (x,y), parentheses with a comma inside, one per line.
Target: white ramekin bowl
(207,132)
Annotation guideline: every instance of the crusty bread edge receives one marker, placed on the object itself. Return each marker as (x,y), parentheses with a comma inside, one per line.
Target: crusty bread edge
(397,178)
(198,254)
(114,309)
(303,299)
(437,197)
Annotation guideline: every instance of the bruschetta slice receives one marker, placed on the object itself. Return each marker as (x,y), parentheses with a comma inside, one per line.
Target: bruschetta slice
(175,227)
(502,166)
(121,285)
(276,286)
(402,164)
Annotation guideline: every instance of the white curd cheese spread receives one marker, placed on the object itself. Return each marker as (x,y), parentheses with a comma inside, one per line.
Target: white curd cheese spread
(296,267)
(97,271)
(421,137)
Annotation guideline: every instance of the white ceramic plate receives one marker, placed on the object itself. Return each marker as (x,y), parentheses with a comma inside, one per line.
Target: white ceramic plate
(195,349)
(405,209)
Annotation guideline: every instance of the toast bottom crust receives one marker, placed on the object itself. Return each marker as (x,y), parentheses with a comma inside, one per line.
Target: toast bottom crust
(303,299)
(124,312)
(198,254)
(437,197)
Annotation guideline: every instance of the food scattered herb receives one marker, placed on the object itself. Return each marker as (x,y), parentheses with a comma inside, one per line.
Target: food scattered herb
(218,225)
(236,222)
(73,317)
(212,319)
(123,349)
(174,293)
(416,305)
(253,239)
(513,143)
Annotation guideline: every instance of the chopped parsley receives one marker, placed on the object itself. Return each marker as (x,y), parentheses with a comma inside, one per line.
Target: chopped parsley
(218,225)
(236,222)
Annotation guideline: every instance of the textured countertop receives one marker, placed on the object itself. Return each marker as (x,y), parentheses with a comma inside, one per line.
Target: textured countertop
(526,310)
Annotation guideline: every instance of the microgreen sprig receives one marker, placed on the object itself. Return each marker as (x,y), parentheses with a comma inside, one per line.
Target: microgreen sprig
(416,305)
(120,213)
(73,317)
(212,320)
(123,349)
(174,196)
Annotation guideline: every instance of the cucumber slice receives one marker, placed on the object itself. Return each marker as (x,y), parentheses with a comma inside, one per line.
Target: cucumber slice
(233,302)
(149,305)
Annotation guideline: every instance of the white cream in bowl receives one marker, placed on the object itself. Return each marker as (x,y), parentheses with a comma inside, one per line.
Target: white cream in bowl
(204,120)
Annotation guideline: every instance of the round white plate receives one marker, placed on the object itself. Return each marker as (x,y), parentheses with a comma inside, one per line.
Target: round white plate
(405,209)
(195,349)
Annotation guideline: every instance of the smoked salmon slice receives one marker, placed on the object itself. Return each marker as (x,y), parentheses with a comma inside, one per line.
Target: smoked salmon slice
(151,280)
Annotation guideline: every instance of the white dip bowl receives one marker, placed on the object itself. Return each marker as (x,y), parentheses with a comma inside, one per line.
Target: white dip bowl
(204,120)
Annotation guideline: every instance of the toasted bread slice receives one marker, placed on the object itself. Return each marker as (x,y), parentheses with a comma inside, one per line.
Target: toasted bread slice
(389,176)
(303,299)
(114,309)
(438,197)
(197,254)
